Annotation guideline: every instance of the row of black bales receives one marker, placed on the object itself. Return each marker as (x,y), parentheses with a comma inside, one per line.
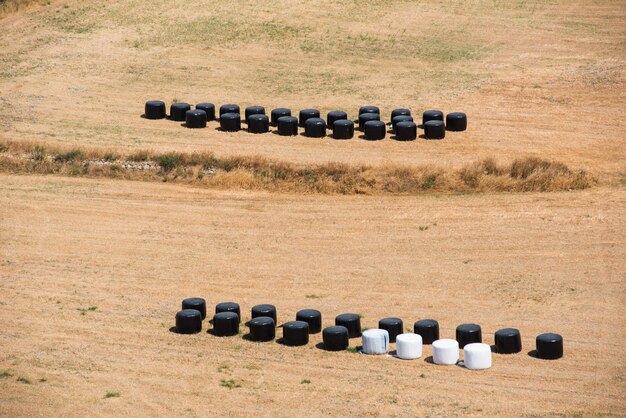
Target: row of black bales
(369,121)
(262,328)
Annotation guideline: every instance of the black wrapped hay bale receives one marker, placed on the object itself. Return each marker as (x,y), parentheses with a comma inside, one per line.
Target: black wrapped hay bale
(287,126)
(209,109)
(343,129)
(335,338)
(230,122)
(258,124)
(277,113)
(262,328)
(188,321)
(393,326)
(432,115)
(335,115)
(313,317)
(154,109)
(400,112)
(308,114)
(549,346)
(368,109)
(434,129)
(352,322)
(315,128)
(366,117)
(229,108)
(428,329)
(406,131)
(296,333)
(199,304)
(508,341)
(264,309)
(225,324)
(228,307)
(253,110)
(456,121)
(400,118)
(468,334)
(178,110)
(195,119)
(375,130)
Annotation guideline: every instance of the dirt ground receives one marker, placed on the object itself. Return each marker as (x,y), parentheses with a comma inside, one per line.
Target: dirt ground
(539,262)
(92,271)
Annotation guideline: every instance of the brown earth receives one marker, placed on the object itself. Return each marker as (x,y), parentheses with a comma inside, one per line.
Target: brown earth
(540,79)
(539,262)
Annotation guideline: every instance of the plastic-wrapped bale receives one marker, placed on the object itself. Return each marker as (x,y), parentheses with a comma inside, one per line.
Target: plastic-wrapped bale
(306,114)
(375,130)
(178,111)
(313,317)
(434,129)
(393,326)
(315,128)
(432,115)
(277,113)
(406,131)
(369,109)
(264,309)
(468,333)
(154,109)
(258,124)
(549,346)
(508,341)
(335,338)
(199,304)
(209,109)
(230,122)
(477,356)
(229,108)
(228,307)
(287,126)
(188,321)
(262,328)
(456,121)
(409,346)
(352,322)
(335,115)
(400,112)
(366,117)
(428,329)
(375,341)
(296,333)
(253,110)
(400,118)
(225,324)
(195,119)
(343,129)
(445,352)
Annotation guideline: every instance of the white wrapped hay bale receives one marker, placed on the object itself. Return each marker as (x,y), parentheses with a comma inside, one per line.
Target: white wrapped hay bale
(375,341)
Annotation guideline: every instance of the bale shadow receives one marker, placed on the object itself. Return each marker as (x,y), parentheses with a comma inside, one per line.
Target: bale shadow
(173,330)
(429,360)
(320,346)
(533,353)
(421,126)
(493,348)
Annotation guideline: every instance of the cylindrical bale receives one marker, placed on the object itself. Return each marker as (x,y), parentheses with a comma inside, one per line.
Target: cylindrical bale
(445,352)
(313,317)
(258,124)
(315,128)
(432,115)
(335,338)
(335,115)
(406,131)
(549,346)
(188,321)
(456,121)
(277,113)
(230,122)
(199,304)
(296,333)
(375,341)
(262,328)
(287,126)
(229,108)
(428,329)
(343,129)
(400,112)
(434,129)
(228,307)
(195,119)
(154,109)
(393,326)
(178,110)
(508,341)
(409,346)
(225,324)
(375,130)
(264,309)
(477,356)
(209,109)
(308,114)
(352,322)
(400,118)
(366,117)
(254,110)
(368,109)
(468,333)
